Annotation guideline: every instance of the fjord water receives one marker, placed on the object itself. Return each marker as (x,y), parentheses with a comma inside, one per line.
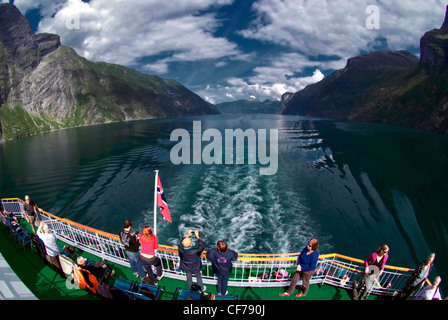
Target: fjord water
(354,186)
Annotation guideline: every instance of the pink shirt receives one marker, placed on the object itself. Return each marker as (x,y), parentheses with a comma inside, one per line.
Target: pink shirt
(371,259)
(148,248)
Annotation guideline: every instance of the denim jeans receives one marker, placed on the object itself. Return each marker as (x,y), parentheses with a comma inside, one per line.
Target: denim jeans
(136,263)
(148,263)
(222,284)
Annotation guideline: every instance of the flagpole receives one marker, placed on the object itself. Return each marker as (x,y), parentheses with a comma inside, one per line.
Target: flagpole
(155,201)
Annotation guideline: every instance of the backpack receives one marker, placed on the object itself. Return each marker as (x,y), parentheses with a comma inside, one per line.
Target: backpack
(125,238)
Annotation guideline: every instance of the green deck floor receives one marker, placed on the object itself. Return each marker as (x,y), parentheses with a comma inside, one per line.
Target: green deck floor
(46,284)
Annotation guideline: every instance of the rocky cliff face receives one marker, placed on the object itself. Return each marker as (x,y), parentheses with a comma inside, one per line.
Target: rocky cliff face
(386,87)
(21,49)
(338,94)
(382,60)
(434,48)
(45,85)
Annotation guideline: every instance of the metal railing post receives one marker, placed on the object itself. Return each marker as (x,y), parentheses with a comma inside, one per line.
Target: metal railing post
(332,268)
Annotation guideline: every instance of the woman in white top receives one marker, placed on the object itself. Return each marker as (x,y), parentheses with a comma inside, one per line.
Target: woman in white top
(431,292)
(50,241)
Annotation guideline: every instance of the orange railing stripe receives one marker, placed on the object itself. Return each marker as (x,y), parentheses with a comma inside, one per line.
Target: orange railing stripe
(242,256)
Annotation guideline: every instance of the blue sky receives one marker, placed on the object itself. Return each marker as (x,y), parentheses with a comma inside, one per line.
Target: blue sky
(226,50)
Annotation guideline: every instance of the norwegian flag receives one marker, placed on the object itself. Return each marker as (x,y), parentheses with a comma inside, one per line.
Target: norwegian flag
(161,202)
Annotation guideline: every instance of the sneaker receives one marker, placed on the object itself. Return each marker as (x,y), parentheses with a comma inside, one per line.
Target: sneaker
(282,294)
(161,276)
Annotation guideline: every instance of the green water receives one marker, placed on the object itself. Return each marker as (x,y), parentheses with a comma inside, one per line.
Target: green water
(353,186)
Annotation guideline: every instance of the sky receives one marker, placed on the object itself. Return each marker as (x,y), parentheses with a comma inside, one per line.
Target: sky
(227,50)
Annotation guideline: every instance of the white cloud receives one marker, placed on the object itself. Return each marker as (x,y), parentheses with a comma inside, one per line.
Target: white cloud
(123,31)
(324,28)
(220,64)
(160,67)
(238,88)
(329,27)
(284,73)
(46,7)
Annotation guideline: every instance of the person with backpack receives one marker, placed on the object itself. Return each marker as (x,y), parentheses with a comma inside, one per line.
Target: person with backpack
(132,246)
(221,257)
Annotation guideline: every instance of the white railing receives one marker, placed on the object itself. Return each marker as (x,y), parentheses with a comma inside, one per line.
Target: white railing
(250,270)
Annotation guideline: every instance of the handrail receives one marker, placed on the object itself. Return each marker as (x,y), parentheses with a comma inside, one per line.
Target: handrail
(250,270)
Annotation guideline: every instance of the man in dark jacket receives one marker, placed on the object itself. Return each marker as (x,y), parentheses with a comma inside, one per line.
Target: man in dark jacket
(190,258)
(221,258)
(132,246)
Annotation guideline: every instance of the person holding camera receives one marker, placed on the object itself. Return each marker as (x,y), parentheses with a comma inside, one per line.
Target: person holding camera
(190,258)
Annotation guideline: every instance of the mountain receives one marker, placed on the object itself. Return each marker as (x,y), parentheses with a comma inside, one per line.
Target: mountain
(250,105)
(45,85)
(389,87)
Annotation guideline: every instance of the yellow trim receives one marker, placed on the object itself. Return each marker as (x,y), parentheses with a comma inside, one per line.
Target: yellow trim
(242,256)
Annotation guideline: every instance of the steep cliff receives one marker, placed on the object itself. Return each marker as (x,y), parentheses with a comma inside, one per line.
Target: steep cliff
(45,85)
(434,48)
(386,87)
(344,91)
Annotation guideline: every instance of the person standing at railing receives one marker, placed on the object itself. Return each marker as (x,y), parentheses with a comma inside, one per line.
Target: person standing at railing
(190,258)
(51,247)
(30,214)
(418,277)
(221,258)
(374,267)
(306,266)
(132,247)
(149,243)
(431,292)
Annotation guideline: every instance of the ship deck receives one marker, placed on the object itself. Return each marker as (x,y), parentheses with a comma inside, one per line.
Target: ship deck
(46,284)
